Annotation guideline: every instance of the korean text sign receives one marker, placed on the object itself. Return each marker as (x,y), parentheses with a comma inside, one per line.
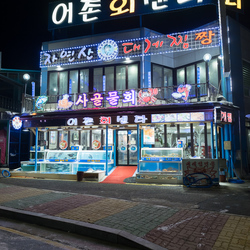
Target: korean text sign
(75,12)
(137,47)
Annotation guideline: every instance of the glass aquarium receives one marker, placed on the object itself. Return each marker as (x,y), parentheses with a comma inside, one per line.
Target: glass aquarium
(161,154)
(64,156)
(40,155)
(95,156)
(60,167)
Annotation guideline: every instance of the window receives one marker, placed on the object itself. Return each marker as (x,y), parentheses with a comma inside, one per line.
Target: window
(73,80)
(191,79)
(63,83)
(120,77)
(180,76)
(213,72)
(133,76)
(98,80)
(53,140)
(163,77)
(84,80)
(109,78)
(157,76)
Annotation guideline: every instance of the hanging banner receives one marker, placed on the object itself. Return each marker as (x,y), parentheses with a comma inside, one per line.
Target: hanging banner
(108,50)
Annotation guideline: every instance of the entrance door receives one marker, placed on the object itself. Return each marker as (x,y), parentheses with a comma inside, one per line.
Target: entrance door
(126,147)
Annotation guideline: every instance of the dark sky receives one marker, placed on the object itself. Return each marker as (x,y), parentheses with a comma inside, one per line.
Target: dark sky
(24,26)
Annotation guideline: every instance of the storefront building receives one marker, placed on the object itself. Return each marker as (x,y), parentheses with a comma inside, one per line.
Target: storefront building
(134,98)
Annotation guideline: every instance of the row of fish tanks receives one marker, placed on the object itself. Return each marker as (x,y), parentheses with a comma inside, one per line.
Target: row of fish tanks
(155,164)
(68,161)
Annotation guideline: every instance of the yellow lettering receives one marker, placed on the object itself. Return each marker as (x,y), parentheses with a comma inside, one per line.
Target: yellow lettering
(119,10)
(237,3)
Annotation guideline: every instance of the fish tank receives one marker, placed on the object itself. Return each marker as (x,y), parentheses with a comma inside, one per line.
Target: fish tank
(95,156)
(61,156)
(40,155)
(161,154)
(59,167)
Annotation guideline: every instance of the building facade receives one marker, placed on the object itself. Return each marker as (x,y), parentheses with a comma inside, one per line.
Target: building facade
(162,102)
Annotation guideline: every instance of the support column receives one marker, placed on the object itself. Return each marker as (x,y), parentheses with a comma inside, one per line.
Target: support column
(212,140)
(36,145)
(107,142)
(222,143)
(216,141)
(138,146)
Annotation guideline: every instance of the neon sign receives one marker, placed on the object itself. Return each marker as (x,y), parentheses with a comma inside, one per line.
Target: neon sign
(108,49)
(148,96)
(65,103)
(182,92)
(113,98)
(226,117)
(41,100)
(77,12)
(16,122)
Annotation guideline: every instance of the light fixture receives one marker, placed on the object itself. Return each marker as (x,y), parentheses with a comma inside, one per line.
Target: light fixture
(220,57)
(43,129)
(127,60)
(172,125)
(59,129)
(202,124)
(25,130)
(26,77)
(79,128)
(207,57)
(59,68)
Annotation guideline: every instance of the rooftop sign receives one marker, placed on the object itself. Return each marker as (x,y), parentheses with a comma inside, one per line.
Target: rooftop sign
(75,12)
(109,50)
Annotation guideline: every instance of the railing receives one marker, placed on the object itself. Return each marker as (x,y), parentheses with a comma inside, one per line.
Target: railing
(122,98)
(10,104)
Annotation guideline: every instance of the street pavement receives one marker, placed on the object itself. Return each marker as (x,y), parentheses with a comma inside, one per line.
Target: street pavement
(136,224)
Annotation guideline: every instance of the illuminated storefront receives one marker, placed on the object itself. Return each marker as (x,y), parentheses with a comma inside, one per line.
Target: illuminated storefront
(133,97)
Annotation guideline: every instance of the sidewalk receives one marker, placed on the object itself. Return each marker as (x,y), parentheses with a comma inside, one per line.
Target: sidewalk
(138,225)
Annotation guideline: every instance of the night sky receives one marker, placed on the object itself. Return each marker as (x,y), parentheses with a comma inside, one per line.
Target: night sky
(24,26)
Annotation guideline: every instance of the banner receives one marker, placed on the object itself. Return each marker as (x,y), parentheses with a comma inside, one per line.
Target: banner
(109,50)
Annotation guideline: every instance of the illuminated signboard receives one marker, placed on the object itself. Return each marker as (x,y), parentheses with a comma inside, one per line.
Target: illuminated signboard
(178,117)
(16,122)
(76,12)
(138,118)
(223,116)
(109,50)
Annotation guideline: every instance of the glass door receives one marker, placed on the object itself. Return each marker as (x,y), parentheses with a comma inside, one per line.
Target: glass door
(126,147)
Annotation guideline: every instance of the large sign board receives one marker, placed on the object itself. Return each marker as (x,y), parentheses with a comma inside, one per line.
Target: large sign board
(96,120)
(200,172)
(109,50)
(75,12)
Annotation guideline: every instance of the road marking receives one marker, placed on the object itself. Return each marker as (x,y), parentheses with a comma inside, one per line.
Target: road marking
(37,238)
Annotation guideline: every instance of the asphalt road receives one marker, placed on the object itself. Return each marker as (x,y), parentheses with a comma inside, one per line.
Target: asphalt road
(226,198)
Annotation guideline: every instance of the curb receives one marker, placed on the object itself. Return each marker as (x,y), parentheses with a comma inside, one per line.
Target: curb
(81,228)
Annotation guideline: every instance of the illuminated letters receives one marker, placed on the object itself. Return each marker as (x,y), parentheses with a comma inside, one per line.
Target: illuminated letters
(155,4)
(119,10)
(205,37)
(72,122)
(88,9)
(185,1)
(238,3)
(66,11)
